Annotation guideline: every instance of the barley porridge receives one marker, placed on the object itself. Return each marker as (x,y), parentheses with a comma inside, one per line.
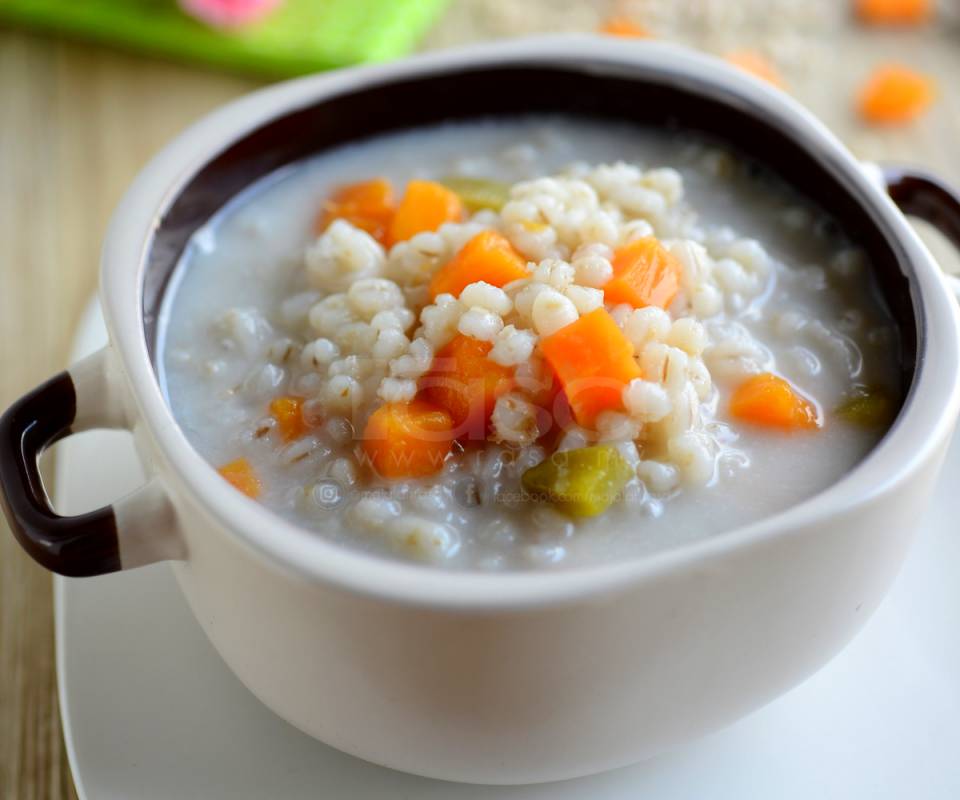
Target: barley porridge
(517,344)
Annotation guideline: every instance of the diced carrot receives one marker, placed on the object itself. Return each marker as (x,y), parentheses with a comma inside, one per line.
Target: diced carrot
(594,362)
(488,256)
(894,12)
(895,94)
(367,205)
(645,273)
(425,207)
(770,401)
(757,65)
(467,384)
(288,412)
(408,440)
(625,27)
(241,476)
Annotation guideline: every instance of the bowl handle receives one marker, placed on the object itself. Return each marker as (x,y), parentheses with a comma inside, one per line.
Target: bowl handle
(921,194)
(137,529)
(924,195)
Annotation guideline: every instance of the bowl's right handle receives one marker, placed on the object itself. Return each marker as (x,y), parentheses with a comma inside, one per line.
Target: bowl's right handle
(923,195)
(137,529)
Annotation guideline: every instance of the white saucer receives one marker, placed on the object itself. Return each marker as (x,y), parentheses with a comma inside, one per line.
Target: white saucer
(150,711)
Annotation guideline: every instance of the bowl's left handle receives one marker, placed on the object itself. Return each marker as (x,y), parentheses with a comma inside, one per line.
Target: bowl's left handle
(137,529)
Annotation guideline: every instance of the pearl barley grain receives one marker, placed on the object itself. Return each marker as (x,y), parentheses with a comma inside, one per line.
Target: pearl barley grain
(512,347)
(646,401)
(552,311)
(483,295)
(480,324)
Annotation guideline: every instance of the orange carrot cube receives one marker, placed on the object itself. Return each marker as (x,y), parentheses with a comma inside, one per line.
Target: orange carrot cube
(895,94)
(894,12)
(425,207)
(240,475)
(288,412)
(769,401)
(593,361)
(625,27)
(488,256)
(367,205)
(467,384)
(408,440)
(645,273)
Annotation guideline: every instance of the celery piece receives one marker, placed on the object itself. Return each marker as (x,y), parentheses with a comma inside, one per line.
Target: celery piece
(479,193)
(867,406)
(582,482)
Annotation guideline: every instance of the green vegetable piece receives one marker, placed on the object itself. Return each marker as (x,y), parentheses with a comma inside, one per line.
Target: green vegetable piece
(479,193)
(582,482)
(867,406)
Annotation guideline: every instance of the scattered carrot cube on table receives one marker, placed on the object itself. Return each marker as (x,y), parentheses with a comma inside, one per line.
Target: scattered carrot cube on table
(625,27)
(770,401)
(894,12)
(593,361)
(408,440)
(895,94)
(241,476)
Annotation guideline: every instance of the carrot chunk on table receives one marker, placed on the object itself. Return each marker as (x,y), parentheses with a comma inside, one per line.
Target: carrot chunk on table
(367,205)
(408,440)
(241,476)
(757,65)
(488,257)
(426,205)
(288,412)
(769,401)
(593,361)
(625,27)
(895,94)
(467,384)
(894,12)
(645,273)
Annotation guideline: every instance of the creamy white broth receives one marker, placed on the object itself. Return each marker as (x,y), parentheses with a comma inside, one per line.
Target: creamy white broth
(817,319)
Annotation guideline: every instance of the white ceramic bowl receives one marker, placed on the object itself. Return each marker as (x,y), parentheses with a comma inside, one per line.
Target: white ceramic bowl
(496,678)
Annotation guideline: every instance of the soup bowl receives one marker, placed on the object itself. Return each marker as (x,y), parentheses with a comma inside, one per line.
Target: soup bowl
(520,676)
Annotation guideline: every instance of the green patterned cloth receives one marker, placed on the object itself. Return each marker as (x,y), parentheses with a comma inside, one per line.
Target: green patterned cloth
(299,37)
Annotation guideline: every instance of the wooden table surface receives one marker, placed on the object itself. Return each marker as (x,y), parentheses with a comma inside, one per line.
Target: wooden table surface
(77,122)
